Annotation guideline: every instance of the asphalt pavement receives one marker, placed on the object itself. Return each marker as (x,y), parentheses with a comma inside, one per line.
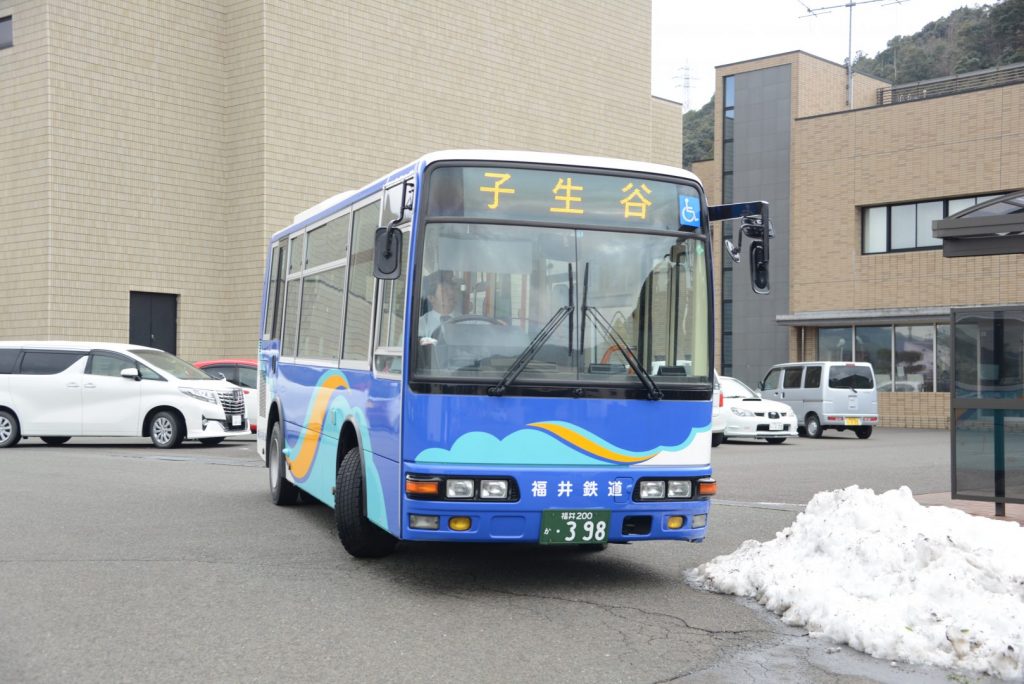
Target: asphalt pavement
(121,562)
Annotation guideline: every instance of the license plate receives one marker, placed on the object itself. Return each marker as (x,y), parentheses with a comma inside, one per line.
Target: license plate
(236,421)
(853,421)
(574,527)
(774,426)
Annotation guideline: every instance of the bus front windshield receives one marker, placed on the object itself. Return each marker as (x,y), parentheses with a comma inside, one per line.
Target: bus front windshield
(557,305)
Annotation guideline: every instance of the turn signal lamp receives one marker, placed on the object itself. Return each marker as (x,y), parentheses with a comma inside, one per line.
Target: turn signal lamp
(459,524)
(707,487)
(422,487)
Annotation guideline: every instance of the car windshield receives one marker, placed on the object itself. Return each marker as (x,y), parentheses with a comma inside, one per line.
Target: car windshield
(734,389)
(170,364)
(561,304)
(850,377)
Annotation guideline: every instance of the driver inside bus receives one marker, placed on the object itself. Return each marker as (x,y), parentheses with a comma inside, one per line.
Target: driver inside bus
(443,298)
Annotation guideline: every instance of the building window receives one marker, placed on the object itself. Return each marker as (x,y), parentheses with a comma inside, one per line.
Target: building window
(906,358)
(835,344)
(903,227)
(729,113)
(6,32)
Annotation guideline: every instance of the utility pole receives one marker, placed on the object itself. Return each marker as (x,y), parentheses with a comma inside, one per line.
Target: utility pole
(815,11)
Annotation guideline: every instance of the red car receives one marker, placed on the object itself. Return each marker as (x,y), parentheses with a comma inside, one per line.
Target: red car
(241,372)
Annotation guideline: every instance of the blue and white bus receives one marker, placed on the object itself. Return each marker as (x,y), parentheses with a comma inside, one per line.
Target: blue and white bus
(498,347)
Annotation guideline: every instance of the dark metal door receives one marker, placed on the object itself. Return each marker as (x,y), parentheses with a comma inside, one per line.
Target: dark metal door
(153,321)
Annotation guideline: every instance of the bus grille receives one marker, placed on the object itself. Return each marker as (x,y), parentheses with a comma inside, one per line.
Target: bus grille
(232,402)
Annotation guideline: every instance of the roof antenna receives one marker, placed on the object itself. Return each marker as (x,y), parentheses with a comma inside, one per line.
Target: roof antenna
(815,11)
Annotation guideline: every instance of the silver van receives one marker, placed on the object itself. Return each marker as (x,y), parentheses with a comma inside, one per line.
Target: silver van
(826,395)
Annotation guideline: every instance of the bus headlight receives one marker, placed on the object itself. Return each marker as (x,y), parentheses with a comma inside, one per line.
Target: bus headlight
(652,489)
(459,489)
(680,489)
(493,489)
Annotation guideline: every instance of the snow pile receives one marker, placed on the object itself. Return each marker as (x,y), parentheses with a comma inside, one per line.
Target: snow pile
(892,578)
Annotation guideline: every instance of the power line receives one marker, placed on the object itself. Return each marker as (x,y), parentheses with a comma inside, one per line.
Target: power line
(815,11)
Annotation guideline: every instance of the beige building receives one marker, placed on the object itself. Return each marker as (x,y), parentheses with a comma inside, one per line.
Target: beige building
(857,273)
(149,148)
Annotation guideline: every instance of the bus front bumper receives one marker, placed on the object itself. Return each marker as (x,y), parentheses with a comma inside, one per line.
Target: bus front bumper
(530,518)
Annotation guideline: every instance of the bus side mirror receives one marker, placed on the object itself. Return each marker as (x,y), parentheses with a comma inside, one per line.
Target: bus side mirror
(387,250)
(759,267)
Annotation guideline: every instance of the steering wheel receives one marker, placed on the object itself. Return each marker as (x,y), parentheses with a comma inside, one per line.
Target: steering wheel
(474,318)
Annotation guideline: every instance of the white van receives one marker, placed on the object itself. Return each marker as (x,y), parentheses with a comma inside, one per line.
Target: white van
(60,390)
(826,395)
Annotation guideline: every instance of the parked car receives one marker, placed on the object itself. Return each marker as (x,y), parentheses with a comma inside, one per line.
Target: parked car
(748,416)
(718,417)
(826,395)
(59,390)
(241,372)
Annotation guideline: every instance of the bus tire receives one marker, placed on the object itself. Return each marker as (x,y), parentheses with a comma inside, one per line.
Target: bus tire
(863,432)
(166,430)
(282,492)
(360,537)
(54,441)
(813,425)
(10,430)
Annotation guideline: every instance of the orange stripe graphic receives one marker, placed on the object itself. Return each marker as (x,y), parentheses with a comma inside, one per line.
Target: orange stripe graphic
(301,463)
(587,445)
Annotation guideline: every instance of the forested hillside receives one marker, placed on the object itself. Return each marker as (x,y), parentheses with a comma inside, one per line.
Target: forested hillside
(968,39)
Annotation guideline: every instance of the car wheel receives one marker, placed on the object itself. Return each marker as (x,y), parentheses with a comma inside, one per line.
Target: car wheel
(211,441)
(812,424)
(863,432)
(10,431)
(359,536)
(282,492)
(165,430)
(775,440)
(55,441)
(717,438)
(801,431)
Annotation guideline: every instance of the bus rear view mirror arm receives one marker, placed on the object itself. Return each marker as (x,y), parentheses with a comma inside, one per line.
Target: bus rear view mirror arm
(755,225)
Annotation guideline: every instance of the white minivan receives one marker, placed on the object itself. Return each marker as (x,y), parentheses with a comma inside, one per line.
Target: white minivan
(59,390)
(834,395)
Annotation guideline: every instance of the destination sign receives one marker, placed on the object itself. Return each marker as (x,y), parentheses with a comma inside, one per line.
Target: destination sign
(562,197)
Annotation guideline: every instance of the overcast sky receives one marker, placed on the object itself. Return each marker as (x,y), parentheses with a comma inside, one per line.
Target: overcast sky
(703,34)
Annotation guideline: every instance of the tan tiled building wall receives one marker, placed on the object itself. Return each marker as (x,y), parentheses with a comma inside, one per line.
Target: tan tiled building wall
(968,144)
(155,146)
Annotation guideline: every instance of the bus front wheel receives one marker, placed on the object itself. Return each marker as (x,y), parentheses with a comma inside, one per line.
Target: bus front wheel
(282,492)
(360,537)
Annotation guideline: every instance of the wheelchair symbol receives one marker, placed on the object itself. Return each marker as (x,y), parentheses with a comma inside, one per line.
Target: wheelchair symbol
(687,214)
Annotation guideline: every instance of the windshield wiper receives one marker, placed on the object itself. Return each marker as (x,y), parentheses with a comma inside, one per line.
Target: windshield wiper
(536,344)
(653,393)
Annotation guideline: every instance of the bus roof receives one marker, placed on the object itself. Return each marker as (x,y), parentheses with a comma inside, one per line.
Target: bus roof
(330,205)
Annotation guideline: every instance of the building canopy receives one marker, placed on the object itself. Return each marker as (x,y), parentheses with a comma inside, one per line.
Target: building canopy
(990,228)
